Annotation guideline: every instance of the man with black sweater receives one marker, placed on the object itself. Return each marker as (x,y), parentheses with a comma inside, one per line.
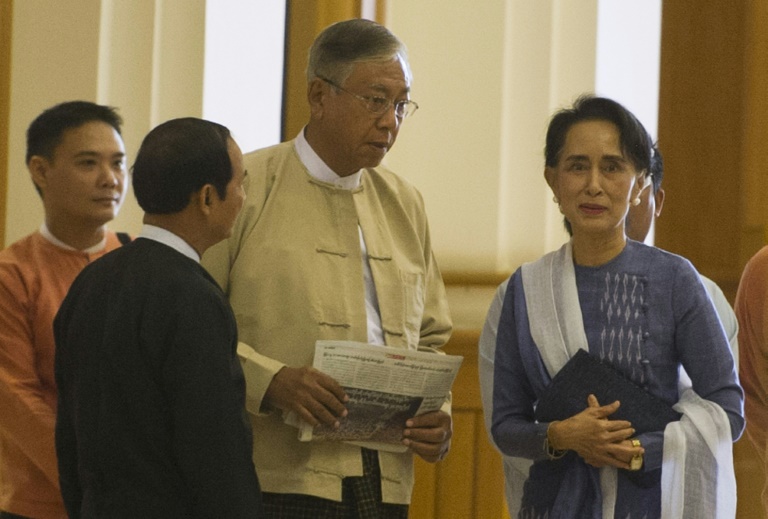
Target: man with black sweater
(151,393)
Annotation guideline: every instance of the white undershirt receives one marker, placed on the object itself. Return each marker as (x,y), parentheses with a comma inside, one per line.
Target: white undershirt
(93,249)
(320,170)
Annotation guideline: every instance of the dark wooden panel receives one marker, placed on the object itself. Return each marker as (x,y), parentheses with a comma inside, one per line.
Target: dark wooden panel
(701,126)
(469,483)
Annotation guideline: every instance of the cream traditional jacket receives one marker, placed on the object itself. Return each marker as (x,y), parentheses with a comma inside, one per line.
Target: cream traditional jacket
(293,273)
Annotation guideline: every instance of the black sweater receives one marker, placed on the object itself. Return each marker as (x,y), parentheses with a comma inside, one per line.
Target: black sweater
(151,419)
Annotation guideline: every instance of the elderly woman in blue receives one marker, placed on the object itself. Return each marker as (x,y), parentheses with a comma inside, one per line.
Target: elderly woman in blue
(638,308)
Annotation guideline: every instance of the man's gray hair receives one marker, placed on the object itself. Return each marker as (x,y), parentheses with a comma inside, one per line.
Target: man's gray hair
(340,46)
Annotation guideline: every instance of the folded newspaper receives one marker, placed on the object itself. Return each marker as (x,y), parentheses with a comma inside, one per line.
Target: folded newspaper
(386,386)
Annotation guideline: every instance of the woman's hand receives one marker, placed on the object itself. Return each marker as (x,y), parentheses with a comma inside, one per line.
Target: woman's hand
(624,452)
(599,441)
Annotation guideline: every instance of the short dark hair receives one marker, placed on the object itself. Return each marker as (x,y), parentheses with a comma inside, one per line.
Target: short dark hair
(633,138)
(341,45)
(176,159)
(46,131)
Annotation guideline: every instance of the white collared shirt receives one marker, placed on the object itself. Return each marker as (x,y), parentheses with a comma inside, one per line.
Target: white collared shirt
(166,237)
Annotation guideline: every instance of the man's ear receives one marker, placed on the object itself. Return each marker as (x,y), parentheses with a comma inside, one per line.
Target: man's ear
(205,198)
(659,196)
(316,91)
(38,169)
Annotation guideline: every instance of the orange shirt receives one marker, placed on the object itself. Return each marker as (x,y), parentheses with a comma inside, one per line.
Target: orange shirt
(752,312)
(35,275)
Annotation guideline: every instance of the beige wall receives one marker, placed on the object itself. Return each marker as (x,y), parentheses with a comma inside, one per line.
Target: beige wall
(487,75)
(144,57)
(51,61)
(487,79)
(6,10)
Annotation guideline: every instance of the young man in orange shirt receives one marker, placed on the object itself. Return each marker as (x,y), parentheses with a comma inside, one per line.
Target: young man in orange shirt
(76,158)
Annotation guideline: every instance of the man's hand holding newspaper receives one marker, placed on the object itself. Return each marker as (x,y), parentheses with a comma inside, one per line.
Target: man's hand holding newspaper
(386,387)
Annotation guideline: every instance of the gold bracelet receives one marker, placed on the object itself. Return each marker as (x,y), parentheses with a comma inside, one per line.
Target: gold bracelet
(552,453)
(636,463)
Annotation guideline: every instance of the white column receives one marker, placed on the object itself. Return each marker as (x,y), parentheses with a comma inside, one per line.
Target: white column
(151,67)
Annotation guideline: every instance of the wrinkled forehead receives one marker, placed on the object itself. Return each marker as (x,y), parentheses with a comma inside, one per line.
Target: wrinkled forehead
(378,68)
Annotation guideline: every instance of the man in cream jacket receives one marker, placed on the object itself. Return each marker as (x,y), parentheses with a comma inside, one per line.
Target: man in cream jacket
(330,245)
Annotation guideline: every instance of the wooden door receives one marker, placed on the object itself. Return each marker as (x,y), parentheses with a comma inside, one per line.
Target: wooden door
(469,483)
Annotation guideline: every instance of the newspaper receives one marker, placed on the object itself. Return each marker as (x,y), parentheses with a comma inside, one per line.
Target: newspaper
(386,386)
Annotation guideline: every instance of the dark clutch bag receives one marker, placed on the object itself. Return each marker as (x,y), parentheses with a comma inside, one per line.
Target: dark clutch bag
(585,374)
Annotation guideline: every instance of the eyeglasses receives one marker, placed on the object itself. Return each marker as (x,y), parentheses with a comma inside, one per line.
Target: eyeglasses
(379,105)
